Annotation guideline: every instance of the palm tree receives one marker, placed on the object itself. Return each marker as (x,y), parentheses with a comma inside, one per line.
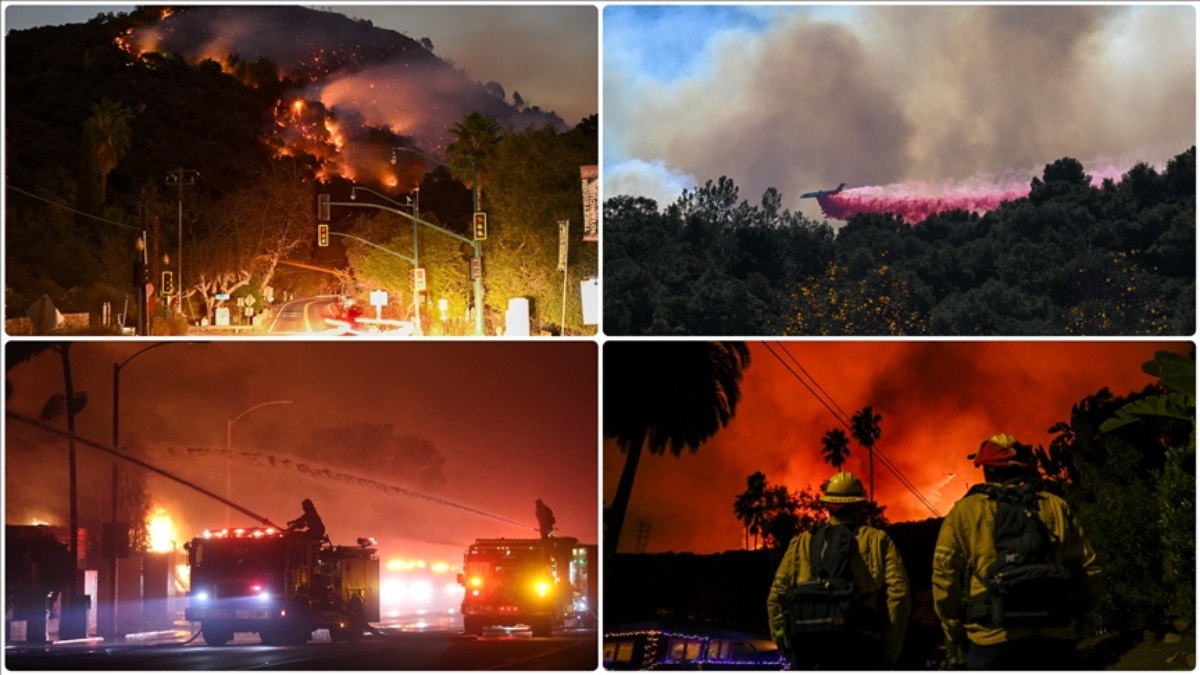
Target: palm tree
(865,428)
(750,506)
(835,447)
(660,395)
(108,135)
(475,141)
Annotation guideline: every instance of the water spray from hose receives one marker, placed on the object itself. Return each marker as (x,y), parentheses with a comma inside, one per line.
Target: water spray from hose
(261,459)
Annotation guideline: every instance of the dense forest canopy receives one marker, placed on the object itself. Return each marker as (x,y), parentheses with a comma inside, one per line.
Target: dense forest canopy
(1069,259)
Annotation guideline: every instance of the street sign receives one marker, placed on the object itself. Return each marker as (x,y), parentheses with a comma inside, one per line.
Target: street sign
(564,226)
(476,268)
(379,298)
(221,296)
(479,230)
(323,207)
(589,176)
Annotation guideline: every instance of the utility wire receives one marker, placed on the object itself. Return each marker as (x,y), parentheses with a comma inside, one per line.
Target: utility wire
(73,210)
(842,419)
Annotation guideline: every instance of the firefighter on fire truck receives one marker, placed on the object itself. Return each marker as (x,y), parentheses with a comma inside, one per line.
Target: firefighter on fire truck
(308,524)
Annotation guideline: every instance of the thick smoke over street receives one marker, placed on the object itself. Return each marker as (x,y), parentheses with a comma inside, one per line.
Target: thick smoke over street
(804,98)
(424,447)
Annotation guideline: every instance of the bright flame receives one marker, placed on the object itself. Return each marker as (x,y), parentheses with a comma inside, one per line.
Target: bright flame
(161,531)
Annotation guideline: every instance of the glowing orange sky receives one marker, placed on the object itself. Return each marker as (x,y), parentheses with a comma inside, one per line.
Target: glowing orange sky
(937,400)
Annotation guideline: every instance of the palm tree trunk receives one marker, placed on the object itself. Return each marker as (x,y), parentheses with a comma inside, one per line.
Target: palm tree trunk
(616,513)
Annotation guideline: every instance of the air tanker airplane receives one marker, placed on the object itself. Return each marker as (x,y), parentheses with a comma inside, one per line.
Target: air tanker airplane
(822,193)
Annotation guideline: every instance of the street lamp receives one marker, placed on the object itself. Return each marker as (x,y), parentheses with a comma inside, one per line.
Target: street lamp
(229,448)
(416,259)
(116,425)
(475,242)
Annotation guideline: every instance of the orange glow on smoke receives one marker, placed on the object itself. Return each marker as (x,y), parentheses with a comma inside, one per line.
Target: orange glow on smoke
(937,402)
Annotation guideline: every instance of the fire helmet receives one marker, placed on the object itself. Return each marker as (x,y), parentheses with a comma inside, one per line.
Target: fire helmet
(843,488)
(1003,450)
(306,502)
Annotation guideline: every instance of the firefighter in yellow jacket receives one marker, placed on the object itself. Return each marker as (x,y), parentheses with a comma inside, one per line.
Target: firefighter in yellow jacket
(989,626)
(880,585)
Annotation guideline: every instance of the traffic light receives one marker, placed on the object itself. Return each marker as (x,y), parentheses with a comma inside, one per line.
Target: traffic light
(323,235)
(141,273)
(416,279)
(480,229)
(168,283)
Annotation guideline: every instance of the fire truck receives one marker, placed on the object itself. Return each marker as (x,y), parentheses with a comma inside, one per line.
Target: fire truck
(281,586)
(544,584)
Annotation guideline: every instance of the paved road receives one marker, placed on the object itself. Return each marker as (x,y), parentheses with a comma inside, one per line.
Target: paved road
(305,315)
(566,650)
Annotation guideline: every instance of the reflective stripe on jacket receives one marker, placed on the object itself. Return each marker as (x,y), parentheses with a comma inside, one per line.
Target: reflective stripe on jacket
(878,573)
(966,542)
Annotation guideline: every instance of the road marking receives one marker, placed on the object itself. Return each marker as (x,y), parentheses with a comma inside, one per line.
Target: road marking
(304,312)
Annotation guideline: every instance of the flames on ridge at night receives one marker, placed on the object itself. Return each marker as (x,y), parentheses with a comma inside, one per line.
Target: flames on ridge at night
(352,91)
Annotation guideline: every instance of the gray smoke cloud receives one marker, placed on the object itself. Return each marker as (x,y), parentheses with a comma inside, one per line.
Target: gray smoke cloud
(872,95)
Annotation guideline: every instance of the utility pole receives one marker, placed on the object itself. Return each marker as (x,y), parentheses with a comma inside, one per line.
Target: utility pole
(181,177)
(564,231)
(643,536)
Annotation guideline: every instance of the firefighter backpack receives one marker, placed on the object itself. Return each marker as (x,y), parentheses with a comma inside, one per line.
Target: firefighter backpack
(829,601)
(1024,588)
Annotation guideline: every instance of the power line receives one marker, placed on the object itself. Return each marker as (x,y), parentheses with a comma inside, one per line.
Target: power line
(842,419)
(73,210)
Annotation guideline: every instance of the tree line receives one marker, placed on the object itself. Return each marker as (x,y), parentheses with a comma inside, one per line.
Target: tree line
(1069,259)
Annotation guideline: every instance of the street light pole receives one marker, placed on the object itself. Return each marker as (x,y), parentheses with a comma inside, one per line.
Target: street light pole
(475,243)
(181,177)
(116,435)
(229,449)
(416,259)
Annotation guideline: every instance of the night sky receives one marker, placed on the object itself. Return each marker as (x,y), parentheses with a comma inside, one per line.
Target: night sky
(937,401)
(487,427)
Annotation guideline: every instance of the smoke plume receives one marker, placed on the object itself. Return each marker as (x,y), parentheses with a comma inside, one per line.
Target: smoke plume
(800,98)
(355,90)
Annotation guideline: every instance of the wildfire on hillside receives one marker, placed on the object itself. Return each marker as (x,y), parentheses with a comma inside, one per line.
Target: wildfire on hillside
(353,91)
